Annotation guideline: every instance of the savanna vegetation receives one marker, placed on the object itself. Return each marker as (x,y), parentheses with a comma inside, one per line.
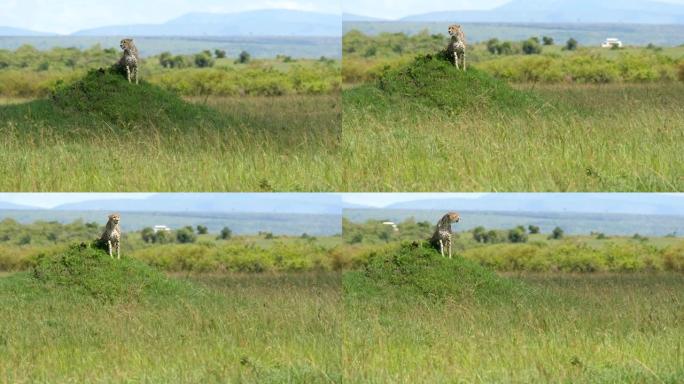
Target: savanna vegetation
(395,312)
(187,249)
(195,123)
(28,73)
(413,316)
(557,118)
(537,59)
(527,249)
(81,317)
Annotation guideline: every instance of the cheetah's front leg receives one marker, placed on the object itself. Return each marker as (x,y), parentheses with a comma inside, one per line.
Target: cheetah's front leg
(441,247)
(128,73)
(135,71)
(464,61)
(118,250)
(109,247)
(456,64)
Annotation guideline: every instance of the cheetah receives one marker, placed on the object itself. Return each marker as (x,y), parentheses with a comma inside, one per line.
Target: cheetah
(112,235)
(442,234)
(130,59)
(457,46)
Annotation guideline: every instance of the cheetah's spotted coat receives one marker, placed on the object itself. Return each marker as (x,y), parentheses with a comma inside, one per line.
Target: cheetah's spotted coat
(456,50)
(130,59)
(112,235)
(442,236)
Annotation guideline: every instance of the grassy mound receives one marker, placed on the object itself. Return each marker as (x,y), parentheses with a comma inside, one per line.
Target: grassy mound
(421,270)
(90,271)
(107,95)
(432,81)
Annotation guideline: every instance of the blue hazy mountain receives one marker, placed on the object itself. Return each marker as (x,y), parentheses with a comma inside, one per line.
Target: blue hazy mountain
(217,203)
(595,203)
(11,206)
(10,31)
(272,22)
(566,11)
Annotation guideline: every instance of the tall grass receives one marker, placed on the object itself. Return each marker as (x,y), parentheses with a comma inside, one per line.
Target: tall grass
(286,144)
(268,329)
(586,138)
(606,328)
(407,315)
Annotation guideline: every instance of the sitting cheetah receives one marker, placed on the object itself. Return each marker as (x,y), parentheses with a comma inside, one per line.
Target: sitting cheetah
(457,45)
(442,235)
(130,59)
(112,235)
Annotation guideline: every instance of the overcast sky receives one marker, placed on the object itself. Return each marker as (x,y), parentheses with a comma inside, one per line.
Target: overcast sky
(50,200)
(380,200)
(395,9)
(67,16)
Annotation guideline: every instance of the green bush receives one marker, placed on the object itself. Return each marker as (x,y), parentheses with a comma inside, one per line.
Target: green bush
(184,236)
(576,257)
(106,95)
(531,47)
(557,233)
(517,235)
(89,271)
(244,58)
(238,257)
(673,258)
(204,60)
(510,257)
(433,82)
(419,269)
(225,234)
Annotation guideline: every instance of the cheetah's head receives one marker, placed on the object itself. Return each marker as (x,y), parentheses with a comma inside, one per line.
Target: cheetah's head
(126,44)
(114,218)
(454,30)
(454,217)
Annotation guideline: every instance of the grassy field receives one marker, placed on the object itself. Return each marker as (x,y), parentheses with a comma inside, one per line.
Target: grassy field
(428,320)
(580,329)
(427,127)
(406,316)
(236,144)
(214,329)
(197,122)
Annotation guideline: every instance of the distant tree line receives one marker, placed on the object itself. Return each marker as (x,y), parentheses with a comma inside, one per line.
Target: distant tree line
(375,232)
(184,235)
